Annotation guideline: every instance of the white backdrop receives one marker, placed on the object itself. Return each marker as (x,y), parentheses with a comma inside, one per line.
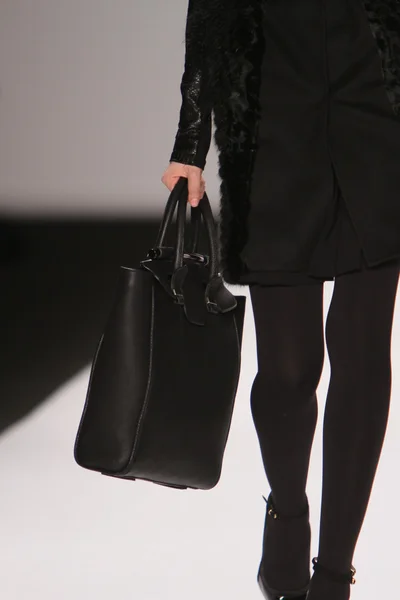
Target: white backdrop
(89,104)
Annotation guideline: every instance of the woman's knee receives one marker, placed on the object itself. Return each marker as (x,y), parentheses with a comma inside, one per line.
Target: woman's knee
(286,390)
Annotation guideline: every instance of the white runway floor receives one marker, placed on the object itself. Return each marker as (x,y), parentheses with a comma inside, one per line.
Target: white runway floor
(71,534)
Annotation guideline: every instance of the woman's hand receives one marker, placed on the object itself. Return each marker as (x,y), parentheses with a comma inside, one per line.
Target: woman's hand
(196,183)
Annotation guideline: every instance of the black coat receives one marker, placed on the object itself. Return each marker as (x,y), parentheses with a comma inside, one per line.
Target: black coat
(221,83)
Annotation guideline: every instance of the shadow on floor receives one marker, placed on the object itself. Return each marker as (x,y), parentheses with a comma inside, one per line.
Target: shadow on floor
(57,283)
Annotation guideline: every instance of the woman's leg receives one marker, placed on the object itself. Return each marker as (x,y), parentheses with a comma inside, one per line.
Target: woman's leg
(290,351)
(358,337)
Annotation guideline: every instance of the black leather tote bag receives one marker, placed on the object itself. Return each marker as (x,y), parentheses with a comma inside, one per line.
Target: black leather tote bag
(165,373)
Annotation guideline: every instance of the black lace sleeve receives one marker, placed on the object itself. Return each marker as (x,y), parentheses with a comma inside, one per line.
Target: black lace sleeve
(193,139)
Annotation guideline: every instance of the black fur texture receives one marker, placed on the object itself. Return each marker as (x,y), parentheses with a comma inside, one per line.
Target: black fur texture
(384,20)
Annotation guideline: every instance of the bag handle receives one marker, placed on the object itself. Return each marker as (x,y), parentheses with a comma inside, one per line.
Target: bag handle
(178,196)
(218,299)
(195,223)
(206,212)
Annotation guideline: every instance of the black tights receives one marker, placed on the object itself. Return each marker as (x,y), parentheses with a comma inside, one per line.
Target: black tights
(290,352)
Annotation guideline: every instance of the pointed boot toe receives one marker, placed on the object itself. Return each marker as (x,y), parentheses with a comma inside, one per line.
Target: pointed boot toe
(271,594)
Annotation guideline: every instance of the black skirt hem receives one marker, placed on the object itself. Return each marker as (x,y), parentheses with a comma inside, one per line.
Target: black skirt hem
(288,278)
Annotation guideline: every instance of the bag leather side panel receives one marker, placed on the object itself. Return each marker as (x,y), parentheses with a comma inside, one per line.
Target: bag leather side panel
(117,388)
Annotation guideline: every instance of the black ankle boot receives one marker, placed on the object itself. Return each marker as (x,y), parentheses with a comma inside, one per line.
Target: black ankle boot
(335,576)
(268,592)
(347,577)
